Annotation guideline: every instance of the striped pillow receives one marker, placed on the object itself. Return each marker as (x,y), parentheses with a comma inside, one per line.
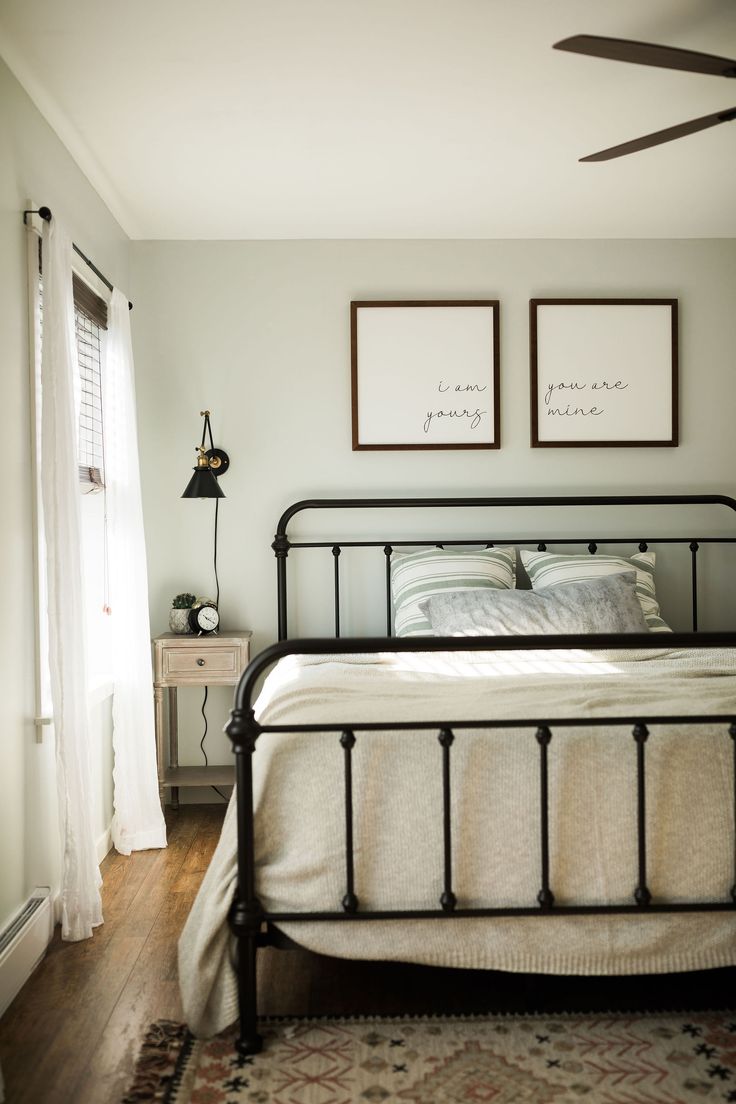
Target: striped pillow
(420,575)
(549,569)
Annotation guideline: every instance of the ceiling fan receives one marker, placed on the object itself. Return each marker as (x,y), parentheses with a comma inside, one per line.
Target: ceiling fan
(666,57)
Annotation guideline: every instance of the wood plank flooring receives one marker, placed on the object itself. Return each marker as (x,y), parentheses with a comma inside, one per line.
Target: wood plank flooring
(72,1035)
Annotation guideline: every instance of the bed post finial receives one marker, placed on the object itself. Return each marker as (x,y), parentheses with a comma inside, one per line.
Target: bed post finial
(281,545)
(280,548)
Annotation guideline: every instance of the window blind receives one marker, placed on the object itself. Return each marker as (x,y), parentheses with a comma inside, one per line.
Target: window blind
(91,449)
(89,302)
(90,320)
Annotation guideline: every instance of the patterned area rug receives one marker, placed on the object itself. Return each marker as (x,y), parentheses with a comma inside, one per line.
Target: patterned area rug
(606,1059)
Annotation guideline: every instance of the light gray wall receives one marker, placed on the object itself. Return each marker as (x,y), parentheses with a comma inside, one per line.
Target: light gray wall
(259,333)
(33,164)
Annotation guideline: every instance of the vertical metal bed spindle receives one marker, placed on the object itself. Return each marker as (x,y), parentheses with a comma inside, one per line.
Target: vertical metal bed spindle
(543,735)
(387,551)
(336,554)
(694,546)
(448,899)
(347,742)
(642,896)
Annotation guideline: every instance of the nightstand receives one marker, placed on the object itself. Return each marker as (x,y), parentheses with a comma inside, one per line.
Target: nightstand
(180,660)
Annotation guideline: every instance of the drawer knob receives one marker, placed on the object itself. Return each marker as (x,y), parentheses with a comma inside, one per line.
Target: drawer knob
(200,663)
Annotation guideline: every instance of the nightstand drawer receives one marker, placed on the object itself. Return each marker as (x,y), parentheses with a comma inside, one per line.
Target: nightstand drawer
(220,662)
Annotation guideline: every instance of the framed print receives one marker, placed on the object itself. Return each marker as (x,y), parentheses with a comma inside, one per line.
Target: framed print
(425,374)
(603,373)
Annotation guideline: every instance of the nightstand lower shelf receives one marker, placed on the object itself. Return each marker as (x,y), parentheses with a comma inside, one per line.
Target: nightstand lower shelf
(200,776)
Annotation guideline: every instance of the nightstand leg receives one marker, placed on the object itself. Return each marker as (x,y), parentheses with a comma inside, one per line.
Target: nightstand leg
(173,742)
(158,701)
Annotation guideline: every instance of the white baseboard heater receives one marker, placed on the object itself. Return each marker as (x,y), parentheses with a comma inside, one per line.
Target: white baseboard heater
(23,942)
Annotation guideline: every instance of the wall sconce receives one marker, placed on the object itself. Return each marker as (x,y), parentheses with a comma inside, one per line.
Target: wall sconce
(211,464)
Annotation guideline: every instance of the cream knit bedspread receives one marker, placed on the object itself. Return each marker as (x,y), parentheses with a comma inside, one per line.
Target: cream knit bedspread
(397,784)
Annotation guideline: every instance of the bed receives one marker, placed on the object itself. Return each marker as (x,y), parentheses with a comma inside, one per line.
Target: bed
(536,803)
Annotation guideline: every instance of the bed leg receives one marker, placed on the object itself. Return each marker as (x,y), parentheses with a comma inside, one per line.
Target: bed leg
(249,1041)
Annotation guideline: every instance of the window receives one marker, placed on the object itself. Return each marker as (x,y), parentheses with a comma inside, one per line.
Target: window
(90,322)
(90,318)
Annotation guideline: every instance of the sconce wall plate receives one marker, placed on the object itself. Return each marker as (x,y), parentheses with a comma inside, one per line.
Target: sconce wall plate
(219,461)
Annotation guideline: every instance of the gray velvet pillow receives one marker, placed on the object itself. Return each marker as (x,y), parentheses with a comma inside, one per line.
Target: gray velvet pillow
(604,605)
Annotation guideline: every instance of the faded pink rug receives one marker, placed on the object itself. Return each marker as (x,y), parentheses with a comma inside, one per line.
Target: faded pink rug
(607,1059)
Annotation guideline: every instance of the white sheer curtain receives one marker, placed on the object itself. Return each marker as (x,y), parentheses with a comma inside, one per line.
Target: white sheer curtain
(138,822)
(81,908)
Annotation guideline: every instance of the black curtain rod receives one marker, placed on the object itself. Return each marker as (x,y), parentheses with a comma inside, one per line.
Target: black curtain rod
(45,214)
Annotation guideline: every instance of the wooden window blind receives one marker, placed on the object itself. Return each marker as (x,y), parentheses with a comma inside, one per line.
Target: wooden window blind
(90,320)
(89,303)
(91,454)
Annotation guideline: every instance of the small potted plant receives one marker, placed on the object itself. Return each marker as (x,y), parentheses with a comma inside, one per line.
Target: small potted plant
(179,613)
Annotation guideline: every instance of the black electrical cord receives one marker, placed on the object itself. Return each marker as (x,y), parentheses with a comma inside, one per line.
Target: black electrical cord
(204,737)
(214,561)
(217,604)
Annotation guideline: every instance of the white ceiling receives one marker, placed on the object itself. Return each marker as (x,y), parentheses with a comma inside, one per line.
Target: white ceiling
(380,118)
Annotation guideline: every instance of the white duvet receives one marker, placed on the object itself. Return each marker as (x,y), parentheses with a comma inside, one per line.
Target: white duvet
(298,788)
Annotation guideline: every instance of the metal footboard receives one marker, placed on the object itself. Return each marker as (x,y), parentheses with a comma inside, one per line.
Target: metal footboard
(248,915)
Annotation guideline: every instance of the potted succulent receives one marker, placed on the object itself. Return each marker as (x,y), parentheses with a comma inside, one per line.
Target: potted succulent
(179,613)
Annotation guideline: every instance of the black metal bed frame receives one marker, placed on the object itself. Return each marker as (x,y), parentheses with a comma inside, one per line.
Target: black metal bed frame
(248,918)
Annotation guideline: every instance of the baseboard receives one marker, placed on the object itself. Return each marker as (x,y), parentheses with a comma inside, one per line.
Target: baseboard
(104,843)
(25,950)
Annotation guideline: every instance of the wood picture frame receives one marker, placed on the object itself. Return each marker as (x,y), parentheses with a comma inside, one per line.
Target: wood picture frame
(425,374)
(604,373)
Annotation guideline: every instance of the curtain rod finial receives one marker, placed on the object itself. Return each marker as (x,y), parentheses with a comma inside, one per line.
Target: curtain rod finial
(43,212)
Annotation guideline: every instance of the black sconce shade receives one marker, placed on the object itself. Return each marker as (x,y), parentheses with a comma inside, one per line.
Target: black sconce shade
(203,484)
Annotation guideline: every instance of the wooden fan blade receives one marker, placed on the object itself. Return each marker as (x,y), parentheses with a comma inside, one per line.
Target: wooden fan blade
(666,135)
(647,53)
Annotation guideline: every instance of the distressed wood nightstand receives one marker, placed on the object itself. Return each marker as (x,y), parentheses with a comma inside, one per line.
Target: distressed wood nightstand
(180,660)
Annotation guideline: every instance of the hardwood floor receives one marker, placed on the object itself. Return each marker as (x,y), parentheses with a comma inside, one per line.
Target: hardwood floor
(72,1035)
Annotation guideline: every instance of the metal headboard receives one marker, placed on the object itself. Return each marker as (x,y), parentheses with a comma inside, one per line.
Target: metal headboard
(282,544)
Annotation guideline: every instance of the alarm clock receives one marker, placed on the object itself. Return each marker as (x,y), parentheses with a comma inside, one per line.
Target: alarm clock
(204,619)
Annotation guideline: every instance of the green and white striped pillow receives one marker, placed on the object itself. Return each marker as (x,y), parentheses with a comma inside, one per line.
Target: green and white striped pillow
(550,569)
(420,575)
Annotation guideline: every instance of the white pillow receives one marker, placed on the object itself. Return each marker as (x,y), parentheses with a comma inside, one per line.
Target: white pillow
(419,575)
(549,569)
